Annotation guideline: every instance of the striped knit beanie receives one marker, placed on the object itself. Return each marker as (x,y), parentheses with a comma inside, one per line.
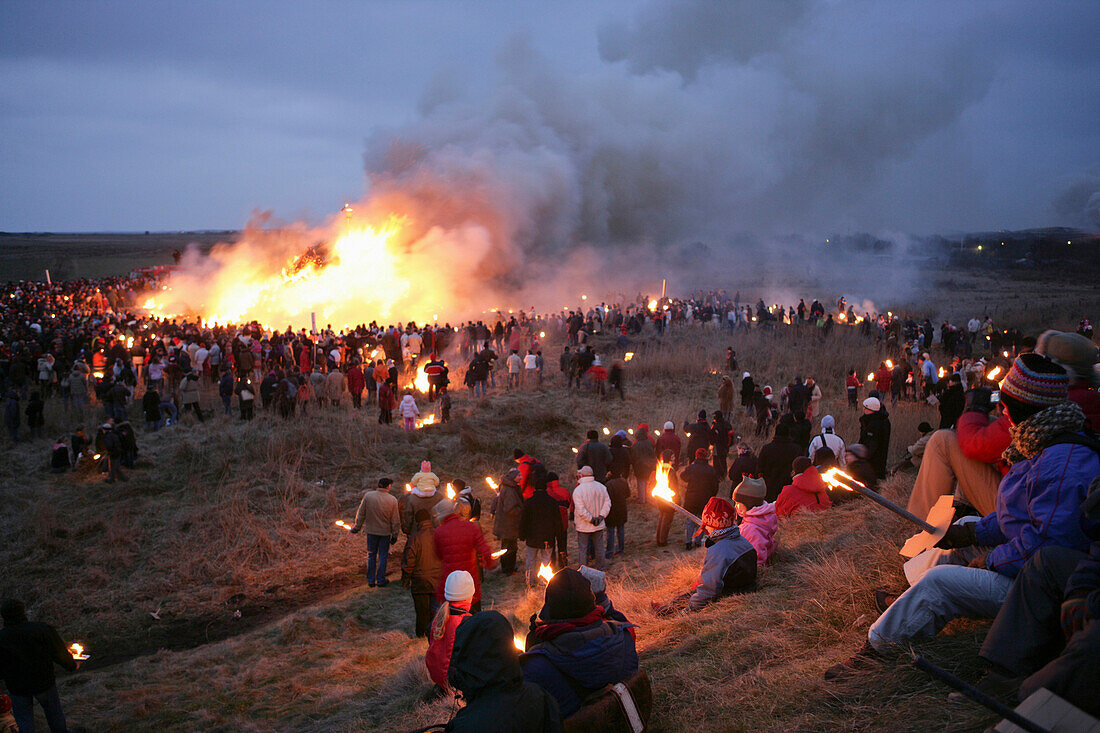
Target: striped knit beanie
(1036,380)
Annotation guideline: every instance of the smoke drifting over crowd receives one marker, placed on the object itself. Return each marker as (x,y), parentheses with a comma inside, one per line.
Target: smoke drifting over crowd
(713,138)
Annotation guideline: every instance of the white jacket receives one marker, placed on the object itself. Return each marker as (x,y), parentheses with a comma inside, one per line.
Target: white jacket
(590,500)
(408,408)
(832,441)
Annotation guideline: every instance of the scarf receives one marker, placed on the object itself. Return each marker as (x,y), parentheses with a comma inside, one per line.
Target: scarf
(547,631)
(1033,435)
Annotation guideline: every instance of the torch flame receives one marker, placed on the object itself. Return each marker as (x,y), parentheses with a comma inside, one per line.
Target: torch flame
(545,572)
(408,488)
(492,484)
(942,373)
(342,523)
(871,377)
(629,355)
(521,644)
(653,305)
(889,364)
(498,553)
(661,489)
(993,373)
(451,492)
(607,431)
(420,382)
(77,650)
(833,477)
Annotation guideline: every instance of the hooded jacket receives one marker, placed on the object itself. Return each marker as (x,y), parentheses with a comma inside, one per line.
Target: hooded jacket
(1038,504)
(728,567)
(759,526)
(807,490)
(486,670)
(580,661)
(458,545)
(408,409)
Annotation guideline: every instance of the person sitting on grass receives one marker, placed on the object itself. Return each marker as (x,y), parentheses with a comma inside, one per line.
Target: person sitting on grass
(572,649)
(759,523)
(806,491)
(458,593)
(729,565)
(485,669)
(1038,505)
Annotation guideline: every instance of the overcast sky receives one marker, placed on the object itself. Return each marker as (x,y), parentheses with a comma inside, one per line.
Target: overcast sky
(127,116)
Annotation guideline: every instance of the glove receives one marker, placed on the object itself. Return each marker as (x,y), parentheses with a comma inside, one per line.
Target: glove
(393,539)
(979,562)
(354,530)
(979,399)
(1074,615)
(597,521)
(958,535)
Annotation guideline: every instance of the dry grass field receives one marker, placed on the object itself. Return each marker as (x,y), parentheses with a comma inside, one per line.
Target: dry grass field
(226,516)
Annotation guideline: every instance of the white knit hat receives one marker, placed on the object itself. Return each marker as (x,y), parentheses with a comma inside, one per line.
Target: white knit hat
(872,404)
(459,586)
(670,425)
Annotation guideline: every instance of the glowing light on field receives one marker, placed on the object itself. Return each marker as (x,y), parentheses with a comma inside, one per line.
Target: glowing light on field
(77,650)
(629,355)
(408,488)
(871,377)
(942,373)
(607,431)
(342,524)
(653,305)
(575,450)
(889,364)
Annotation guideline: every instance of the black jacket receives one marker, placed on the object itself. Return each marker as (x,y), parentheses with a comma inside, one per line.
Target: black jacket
(952,403)
(540,519)
(485,669)
(698,437)
(744,464)
(596,455)
(620,457)
(700,483)
(874,432)
(775,464)
(28,652)
(619,491)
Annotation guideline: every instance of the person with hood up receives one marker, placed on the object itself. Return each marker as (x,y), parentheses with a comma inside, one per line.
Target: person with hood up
(591,505)
(539,526)
(507,510)
(458,590)
(408,411)
(759,523)
(28,652)
(425,494)
(700,482)
(485,668)
(729,565)
(748,389)
(806,491)
(643,461)
(1038,505)
(874,433)
(618,490)
(952,402)
(459,546)
(379,515)
(827,438)
(572,650)
(597,580)
(189,394)
(775,460)
(420,570)
(620,456)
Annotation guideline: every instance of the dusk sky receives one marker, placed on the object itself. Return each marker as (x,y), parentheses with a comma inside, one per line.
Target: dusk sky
(662,119)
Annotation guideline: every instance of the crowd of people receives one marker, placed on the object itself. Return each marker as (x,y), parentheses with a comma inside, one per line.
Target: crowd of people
(1015,449)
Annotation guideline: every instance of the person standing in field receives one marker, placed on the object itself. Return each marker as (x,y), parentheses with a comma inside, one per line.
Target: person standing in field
(515,365)
(420,569)
(28,652)
(379,515)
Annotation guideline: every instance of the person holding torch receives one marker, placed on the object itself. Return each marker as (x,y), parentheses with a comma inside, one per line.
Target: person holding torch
(28,651)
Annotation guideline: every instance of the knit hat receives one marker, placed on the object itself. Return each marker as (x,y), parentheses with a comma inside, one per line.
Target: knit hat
(873,404)
(1036,380)
(701,453)
(670,425)
(568,596)
(717,514)
(828,423)
(597,579)
(642,426)
(459,586)
(584,471)
(1074,352)
(425,466)
(746,375)
(751,487)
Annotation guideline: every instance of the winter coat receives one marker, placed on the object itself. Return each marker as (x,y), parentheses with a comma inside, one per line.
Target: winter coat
(408,409)
(618,490)
(378,514)
(643,458)
(28,652)
(1038,504)
(916,451)
(1088,400)
(668,440)
(580,661)
(759,526)
(729,566)
(458,545)
(698,436)
(540,520)
(745,464)
(356,381)
(420,566)
(426,481)
(485,668)
(590,503)
(335,385)
(620,457)
(952,403)
(419,499)
(775,464)
(700,483)
(982,439)
(507,507)
(597,456)
(748,387)
(438,657)
(725,395)
(808,490)
(874,432)
(832,441)
(189,391)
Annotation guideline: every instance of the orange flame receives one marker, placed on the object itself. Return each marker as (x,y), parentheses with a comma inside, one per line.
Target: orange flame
(341,523)
(521,644)
(993,373)
(661,489)
(545,572)
(492,484)
(451,492)
(77,650)
(833,477)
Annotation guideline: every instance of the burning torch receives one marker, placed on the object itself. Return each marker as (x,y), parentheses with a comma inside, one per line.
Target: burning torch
(661,490)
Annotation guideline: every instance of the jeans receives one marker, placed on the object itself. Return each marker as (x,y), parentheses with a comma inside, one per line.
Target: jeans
(22,707)
(944,593)
(690,528)
(378,553)
(616,536)
(589,549)
(535,557)
(227,401)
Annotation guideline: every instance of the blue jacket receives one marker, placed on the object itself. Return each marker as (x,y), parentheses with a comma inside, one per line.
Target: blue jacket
(579,662)
(728,566)
(1038,504)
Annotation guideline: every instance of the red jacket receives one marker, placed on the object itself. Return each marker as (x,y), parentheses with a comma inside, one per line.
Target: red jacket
(438,658)
(807,490)
(524,464)
(458,545)
(882,380)
(356,382)
(982,439)
(1089,401)
(564,499)
(669,441)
